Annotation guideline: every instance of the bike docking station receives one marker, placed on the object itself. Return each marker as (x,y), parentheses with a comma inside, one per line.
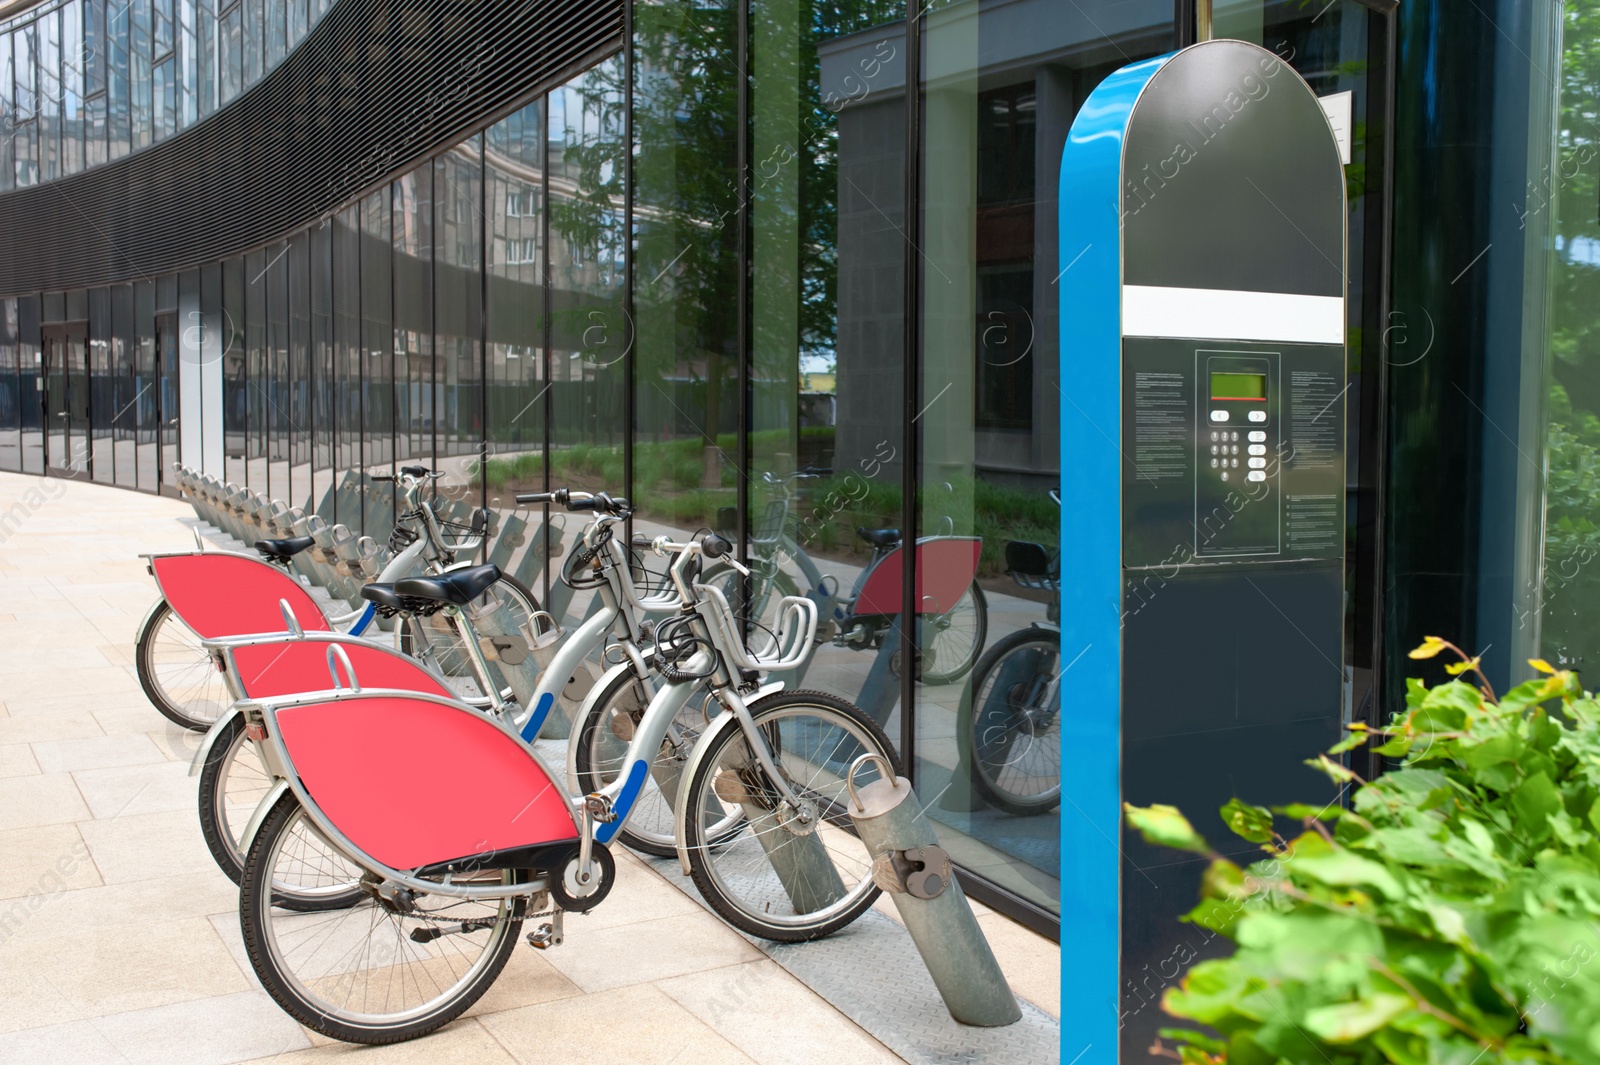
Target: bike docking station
(1202,441)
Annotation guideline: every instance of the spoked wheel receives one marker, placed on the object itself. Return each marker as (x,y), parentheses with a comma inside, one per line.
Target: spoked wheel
(392,967)
(603,748)
(233,782)
(438,641)
(177,673)
(1011,725)
(785,874)
(956,638)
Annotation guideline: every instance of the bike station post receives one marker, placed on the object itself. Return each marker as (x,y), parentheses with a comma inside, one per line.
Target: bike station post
(1203,477)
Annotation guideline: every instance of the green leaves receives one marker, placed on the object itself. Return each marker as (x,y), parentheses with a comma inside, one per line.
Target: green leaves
(1164,826)
(1449,915)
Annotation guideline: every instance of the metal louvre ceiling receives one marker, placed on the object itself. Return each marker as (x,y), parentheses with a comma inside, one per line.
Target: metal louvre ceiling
(377,86)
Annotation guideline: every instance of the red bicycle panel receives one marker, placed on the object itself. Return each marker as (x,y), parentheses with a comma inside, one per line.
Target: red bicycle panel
(946,566)
(219,595)
(413,782)
(292,667)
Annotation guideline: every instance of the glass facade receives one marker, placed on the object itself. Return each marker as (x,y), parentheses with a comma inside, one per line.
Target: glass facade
(789,271)
(84,82)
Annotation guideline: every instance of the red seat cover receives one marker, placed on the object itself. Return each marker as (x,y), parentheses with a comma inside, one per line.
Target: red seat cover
(290,667)
(945,568)
(219,595)
(413,782)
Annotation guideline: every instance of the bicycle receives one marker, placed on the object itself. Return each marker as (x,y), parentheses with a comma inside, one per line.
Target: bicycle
(181,678)
(1010,724)
(460,830)
(956,619)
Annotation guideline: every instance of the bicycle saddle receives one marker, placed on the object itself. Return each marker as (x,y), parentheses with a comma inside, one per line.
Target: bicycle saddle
(285,549)
(460,587)
(880,537)
(383,595)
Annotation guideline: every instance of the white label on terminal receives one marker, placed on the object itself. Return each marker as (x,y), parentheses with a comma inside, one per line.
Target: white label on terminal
(1337,107)
(1231,314)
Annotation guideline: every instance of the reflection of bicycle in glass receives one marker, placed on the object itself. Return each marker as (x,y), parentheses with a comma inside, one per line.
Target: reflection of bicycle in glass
(956,620)
(1011,724)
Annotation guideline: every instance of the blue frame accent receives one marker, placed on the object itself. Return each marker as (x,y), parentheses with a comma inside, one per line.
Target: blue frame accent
(1091,542)
(364,620)
(531,728)
(625,800)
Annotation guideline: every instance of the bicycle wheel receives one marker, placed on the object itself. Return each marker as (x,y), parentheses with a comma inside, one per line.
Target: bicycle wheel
(1011,724)
(437,640)
(176,672)
(377,972)
(603,747)
(233,782)
(785,876)
(957,636)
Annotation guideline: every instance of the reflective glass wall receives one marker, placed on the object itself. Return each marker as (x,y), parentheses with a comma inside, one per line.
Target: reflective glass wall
(85,82)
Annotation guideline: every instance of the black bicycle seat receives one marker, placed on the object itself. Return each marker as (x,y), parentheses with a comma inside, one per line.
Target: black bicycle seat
(383,595)
(880,537)
(460,587)
(285,549)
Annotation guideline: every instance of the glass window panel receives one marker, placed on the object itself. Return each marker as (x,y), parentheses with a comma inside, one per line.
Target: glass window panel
(254,34)
(94,46)
(257,370)
(72,78)
(206,58)
(230,38)
(163,27)
(28,362)
(140,75)
(300,379)
(298,20)
(48,97)
(458,297)
(8,116)
(686,300)
(347,345)
(235,373)
(377,333)
(188,64)
(590,336)
(323,401)
(102,387)
(10,389)
(165,96)
(94,131)
(24,48)
(150,388)
(276,395)
(513,204)
(124,368)
(413,315)
(274,17)
(119,112)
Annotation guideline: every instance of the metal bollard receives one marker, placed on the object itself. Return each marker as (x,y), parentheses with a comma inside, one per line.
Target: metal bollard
(909,864)
(800,858)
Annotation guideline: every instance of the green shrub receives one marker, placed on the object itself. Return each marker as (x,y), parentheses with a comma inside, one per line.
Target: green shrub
(1449,916)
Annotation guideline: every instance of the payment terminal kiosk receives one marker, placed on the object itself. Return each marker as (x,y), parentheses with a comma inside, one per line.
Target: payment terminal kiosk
(1203,512)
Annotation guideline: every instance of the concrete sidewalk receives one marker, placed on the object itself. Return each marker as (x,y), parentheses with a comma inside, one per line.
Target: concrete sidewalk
(119,937)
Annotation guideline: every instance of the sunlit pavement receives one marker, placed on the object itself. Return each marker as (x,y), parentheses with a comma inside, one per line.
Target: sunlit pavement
(119,937)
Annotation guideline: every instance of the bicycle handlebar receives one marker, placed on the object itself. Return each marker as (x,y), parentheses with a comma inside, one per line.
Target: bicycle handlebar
(578,501)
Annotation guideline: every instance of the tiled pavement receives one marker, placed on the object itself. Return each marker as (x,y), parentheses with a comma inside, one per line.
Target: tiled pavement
(119,938)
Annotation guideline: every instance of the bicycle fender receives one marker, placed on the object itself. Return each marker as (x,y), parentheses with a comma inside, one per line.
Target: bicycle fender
(719,724)
(264,807)
(198,762)
(584,710)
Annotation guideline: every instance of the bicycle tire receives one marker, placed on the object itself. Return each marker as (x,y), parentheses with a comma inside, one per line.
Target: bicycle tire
(761,918)
(936,671)
(987,781)
(263,946)
(226,757)
(195,714)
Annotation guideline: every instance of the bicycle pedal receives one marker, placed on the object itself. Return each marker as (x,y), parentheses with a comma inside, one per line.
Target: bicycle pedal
(546,935)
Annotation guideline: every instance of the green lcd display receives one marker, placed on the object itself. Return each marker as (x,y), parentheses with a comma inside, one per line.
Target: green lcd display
(1239,386)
